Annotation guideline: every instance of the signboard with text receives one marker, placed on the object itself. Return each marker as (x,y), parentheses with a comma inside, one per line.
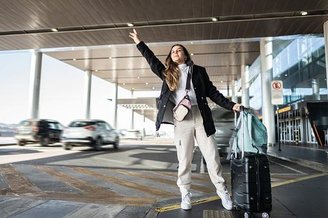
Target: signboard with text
(277,96)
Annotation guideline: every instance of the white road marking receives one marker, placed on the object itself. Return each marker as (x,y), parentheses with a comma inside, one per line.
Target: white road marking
(290,168)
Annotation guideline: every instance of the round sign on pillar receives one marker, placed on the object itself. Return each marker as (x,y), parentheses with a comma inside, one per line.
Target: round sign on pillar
(277,96)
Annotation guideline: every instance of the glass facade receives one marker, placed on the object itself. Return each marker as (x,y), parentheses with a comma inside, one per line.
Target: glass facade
(300,63)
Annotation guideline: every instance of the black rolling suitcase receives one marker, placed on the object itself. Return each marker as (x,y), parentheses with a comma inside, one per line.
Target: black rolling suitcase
(251,184)
(250,180)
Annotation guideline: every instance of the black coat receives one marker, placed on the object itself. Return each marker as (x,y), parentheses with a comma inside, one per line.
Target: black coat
(203,88)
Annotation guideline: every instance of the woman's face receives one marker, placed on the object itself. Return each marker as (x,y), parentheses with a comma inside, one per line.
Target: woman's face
(178,55)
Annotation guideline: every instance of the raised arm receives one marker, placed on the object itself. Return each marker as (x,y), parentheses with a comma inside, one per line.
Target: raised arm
(134,36)
(155,64)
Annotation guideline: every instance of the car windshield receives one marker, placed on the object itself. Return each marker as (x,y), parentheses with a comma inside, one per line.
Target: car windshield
(222,115)
(81,123)
(25,123)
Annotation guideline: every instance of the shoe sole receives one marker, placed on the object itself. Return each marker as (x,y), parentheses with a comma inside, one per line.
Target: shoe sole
(185,208)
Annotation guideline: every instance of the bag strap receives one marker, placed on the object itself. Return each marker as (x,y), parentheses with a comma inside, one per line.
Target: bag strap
(188,80)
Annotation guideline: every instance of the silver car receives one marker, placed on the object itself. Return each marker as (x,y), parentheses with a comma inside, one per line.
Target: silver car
(224,125)
(43,131)
(94,133)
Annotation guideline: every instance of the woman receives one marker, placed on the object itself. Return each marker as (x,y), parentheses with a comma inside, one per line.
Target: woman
(198,123)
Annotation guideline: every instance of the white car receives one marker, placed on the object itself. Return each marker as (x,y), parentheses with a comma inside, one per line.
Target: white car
(94,133)
(131,134)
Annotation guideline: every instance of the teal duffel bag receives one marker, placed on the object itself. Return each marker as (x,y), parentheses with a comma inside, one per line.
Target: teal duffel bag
(250,133)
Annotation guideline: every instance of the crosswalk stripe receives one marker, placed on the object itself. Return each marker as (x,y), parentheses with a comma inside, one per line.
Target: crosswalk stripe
(165,181)
(153,191)
(18,183)
(77,183)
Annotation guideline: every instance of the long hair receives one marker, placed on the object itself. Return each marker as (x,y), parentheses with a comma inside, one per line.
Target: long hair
(172,72)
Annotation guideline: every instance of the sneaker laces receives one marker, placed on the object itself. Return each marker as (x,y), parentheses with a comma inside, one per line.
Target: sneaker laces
(226,194)
(225,198)
(186,197)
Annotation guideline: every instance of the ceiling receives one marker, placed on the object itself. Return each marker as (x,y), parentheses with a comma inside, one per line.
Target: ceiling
(93,34)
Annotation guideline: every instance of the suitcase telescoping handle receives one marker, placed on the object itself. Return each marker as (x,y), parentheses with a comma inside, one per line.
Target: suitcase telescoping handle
(242,111)
(241,120)
(242,108)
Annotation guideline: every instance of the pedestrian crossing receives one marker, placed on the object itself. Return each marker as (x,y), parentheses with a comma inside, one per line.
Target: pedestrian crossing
(95,185)
(99,184)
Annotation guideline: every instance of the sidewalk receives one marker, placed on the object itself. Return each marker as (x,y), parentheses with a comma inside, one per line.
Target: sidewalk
(305,156)
(25,207)
(289,200)
(7,141)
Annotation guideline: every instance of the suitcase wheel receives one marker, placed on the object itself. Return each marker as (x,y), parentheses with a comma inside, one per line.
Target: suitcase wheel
(249,215)
(265,215)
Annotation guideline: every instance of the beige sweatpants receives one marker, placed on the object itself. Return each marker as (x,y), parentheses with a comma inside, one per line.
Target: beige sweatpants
(185,133)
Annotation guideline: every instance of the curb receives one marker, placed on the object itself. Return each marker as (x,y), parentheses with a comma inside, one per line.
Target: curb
(306,163)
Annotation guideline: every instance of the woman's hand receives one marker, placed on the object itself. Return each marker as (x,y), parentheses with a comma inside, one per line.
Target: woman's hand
(134,36)
(236,107)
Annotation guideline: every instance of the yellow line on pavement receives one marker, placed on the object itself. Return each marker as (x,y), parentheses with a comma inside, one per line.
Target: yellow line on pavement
(214,198)
(177,206)
(299,179)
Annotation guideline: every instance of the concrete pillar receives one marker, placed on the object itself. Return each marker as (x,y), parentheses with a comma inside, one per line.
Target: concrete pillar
(325,27)
(234,96)
(115,105)
(245,85)
(266,78)
(132,119)
(35,82)
(144,124)
(315,89)
(87,93)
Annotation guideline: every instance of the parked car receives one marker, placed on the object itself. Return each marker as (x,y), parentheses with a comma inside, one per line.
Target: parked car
(224,125)
(43,131)
(131,134)
(94,133)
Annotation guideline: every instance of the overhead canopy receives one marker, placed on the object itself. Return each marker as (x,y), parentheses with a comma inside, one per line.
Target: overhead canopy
(214,31)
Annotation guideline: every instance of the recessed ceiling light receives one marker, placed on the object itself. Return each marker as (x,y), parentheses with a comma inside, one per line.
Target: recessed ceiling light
(153,87)
(74,59)
(54,30)
(130,24)
(96,70)
(138,77)
(123,84)
(191,54)
(221,81)
(303,13)
(147,84)
(214,19)
(109,57)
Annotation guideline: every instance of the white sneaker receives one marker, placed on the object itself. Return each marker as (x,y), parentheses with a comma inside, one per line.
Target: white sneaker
(186,201)
(225,199)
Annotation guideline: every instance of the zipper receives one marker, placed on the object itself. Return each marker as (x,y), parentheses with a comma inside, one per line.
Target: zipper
(258,183)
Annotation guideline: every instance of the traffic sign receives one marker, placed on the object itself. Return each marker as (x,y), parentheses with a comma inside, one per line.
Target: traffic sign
(277,96)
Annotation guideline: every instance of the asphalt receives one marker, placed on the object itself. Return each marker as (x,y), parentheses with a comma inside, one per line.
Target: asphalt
(305,197)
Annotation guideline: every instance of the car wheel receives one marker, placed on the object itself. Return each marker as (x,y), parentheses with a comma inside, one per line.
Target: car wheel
(21,143)
(98,144)
(44,141)
(116,143)
(67,146)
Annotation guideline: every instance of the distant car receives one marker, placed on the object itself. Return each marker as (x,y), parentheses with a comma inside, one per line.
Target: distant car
(131,134)
(43,131)
(224,125)
(93,133)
